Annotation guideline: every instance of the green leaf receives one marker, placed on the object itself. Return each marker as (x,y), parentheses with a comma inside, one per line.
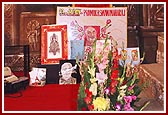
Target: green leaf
(137,90)
(81,96)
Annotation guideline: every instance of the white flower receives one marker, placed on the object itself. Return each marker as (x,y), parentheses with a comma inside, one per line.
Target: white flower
(122,92)
(123,87)
(92,71)
(93,80)
(93,89)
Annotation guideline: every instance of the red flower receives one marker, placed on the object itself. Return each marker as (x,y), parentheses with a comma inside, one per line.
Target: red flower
(91,107)
(89,93)
(113,90)
(88,100)
(113,83)
(115,63)
(86,84)
(86,90)
(124,82)
(83,109)
(115,54)
(114,74)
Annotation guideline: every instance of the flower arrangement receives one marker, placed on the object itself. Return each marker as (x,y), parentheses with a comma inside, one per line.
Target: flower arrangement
(108,82)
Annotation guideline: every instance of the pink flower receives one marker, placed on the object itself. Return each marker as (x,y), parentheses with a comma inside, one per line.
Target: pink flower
(133,97)
(103,35)
(107,91)
(127,107)
(79,36)
(101,77)
(131,87)
(108,21)
(118,106)
(105,61)
(99,51)
(80,29)
(103,30)
(127,99)
(72,24)
(111,37)
(101,66)
(88,50)
(99,43)
(106,49)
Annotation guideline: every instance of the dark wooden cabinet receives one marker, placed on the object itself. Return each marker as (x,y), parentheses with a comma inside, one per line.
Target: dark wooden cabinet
(17,58)
(148,42)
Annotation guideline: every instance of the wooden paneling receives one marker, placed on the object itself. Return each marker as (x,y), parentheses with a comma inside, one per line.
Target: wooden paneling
(8,16)
(156,15)
(30,32)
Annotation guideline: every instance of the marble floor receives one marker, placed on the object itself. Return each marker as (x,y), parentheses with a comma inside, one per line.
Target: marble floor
(153,75)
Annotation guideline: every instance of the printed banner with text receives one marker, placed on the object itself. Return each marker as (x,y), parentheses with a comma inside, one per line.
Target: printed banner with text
(83,23)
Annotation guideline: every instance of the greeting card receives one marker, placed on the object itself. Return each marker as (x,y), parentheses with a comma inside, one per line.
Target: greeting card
(77,49)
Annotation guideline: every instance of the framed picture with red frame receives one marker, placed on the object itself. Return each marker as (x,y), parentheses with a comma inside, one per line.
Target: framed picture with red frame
(54,46)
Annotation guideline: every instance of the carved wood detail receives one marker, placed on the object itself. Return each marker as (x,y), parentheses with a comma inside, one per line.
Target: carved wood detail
(33,35)
(156,15)
(30,32)
(132,13)
(7,10)
(8,13)
(8,31)
(10,24)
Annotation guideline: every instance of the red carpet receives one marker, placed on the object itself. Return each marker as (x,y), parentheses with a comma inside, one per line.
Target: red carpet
(51,97)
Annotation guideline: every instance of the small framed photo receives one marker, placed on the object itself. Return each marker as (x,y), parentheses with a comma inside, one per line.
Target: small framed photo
(91,33)
(54,46)
(129,55)
(37,76)
(69,72)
